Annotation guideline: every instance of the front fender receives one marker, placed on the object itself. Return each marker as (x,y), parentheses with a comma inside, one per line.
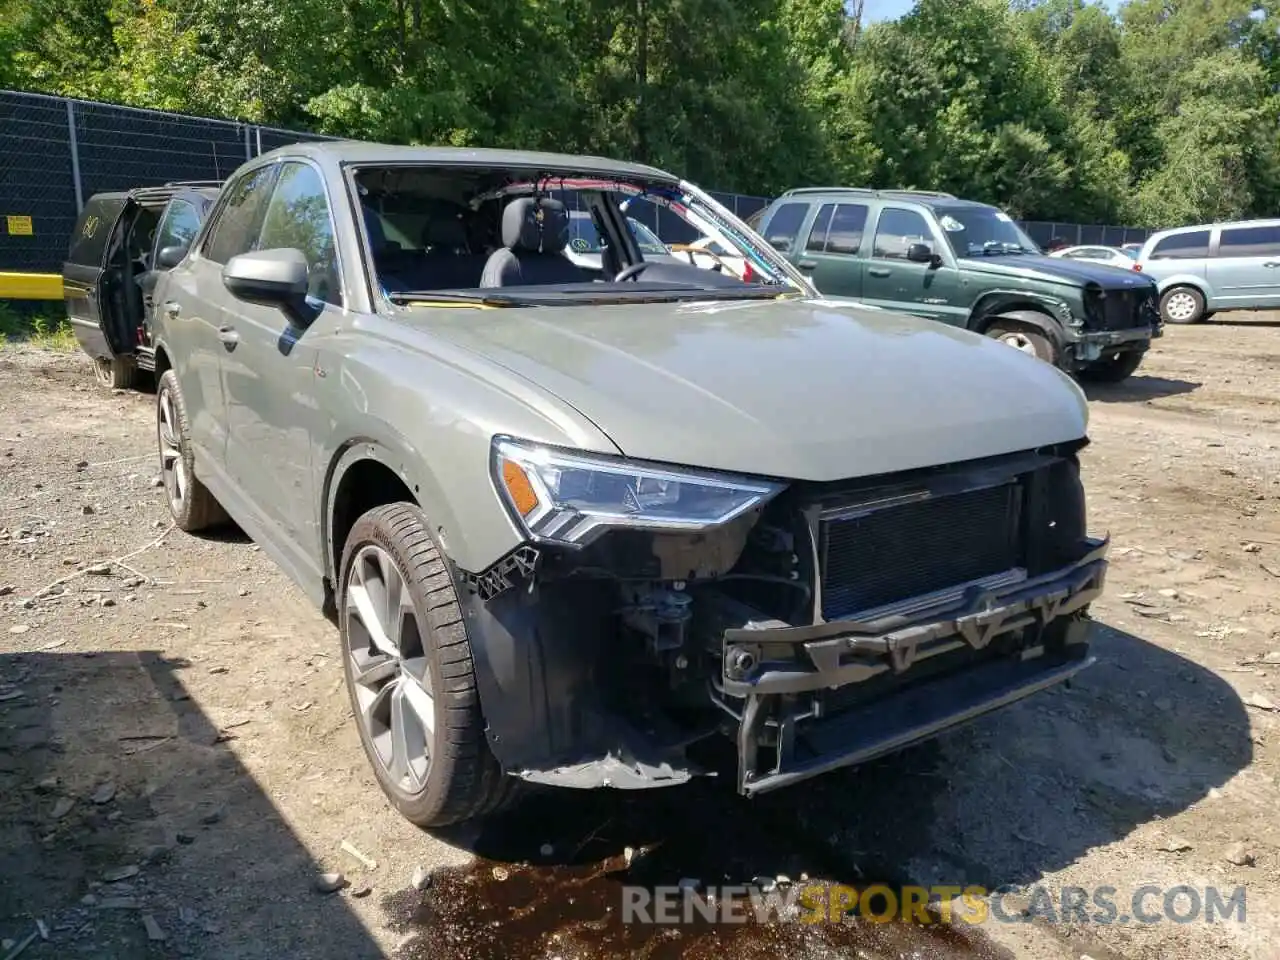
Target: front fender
(388,447)
(1020,303)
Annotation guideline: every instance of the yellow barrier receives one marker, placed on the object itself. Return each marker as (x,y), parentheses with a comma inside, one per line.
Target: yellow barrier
(30,286)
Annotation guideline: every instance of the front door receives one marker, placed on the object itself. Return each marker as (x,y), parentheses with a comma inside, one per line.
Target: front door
(831,252)
(892,281)
(269,369)
(1245,273)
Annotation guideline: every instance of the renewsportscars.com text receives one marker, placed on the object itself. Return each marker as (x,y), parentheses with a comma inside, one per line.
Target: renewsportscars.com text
(879,903)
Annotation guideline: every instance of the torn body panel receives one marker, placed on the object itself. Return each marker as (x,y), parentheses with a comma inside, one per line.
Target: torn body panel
(835,624)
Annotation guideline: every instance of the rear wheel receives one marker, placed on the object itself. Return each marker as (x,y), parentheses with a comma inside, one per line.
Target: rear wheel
(191,504)
(410,673)
(1113,369)
(118,373)
(1026,338)
(1182,305)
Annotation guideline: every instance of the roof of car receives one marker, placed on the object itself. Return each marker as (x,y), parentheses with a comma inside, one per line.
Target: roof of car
(928,198)
(1225,224)
(356,151)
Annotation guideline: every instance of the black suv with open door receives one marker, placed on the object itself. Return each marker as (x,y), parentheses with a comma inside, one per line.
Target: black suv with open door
(120,245)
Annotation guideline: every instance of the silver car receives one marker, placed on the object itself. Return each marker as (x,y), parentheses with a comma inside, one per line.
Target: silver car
(1211,268)
(611,529)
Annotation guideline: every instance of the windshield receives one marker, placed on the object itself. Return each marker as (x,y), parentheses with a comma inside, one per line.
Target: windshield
(976,231)
(585,238)
(440,235)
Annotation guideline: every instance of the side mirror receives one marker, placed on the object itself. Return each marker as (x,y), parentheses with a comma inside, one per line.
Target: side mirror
(923,253)
(170,257)
(272,278)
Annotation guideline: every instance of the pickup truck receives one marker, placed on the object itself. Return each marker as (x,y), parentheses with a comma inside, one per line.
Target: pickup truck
(121,244)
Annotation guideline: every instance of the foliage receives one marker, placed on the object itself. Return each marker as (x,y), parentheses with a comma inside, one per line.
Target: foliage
(17,324)
(1167,112)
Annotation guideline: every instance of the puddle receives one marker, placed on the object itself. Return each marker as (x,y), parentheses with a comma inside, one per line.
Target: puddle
(520,899)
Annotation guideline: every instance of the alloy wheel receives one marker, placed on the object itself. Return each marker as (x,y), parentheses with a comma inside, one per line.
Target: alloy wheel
(173,467)
(1180,307)
(391,680)
(1019,341)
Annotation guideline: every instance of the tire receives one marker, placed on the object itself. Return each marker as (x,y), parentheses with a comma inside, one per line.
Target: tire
(1182,305)
(445,773)
(1026,338)
(191,504)
(1113,369)
(117,373)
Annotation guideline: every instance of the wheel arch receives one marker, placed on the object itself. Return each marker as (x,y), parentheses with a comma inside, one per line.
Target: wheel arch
(1198,283)
(1032,316)
(162,360)
(1015,305)
(367,472)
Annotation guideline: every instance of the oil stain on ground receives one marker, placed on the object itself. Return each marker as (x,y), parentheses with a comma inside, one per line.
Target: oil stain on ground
(548,882)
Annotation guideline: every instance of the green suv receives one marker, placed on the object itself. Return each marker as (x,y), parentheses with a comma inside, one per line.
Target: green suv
(966,264)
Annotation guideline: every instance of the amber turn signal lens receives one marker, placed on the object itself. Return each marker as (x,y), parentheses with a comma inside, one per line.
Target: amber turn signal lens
(518,486)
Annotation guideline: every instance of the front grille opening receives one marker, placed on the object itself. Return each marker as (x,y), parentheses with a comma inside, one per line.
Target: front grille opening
(899,552)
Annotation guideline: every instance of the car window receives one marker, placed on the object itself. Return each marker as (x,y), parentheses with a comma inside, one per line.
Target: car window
(298,218)
(178,229)
(1250,242)
(1182,246)
(846,228)
(818,234)
(896,231)
(235,228)
(785,224)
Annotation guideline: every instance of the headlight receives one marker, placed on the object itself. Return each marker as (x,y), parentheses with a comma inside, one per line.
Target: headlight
(570,497)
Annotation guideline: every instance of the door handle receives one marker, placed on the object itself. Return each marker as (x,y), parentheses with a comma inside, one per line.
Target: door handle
(807,264)
(171,308)
(878,271)
(1272,263)
(229,337)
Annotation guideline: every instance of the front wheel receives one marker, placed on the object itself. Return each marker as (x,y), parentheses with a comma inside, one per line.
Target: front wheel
(1113,369)
(1025,338)
(1182,305)
(410,674)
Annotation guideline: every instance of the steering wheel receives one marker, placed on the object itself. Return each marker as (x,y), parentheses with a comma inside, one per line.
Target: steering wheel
(720,265)
(631,272)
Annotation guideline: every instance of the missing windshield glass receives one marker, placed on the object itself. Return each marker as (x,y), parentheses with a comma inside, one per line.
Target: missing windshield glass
(531,237)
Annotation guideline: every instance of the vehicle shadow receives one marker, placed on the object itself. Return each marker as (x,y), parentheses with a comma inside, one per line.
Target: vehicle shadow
(1138,388)
(129,829)
(1141,735)
(1241,319)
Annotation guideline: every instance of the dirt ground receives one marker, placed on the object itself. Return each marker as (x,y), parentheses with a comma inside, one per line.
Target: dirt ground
(178,765)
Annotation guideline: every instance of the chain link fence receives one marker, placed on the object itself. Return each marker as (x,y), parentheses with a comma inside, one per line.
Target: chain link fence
(56,152)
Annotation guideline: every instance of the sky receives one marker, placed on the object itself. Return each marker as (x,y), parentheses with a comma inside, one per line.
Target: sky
(874,10)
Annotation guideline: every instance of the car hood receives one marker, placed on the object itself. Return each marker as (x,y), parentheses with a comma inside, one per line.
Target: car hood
(1075,273)
(789,388)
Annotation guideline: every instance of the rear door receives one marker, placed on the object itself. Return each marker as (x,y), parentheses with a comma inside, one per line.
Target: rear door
(86,287)
(832,249)
(1244,268)
(190,309)
(783,226)
(892,281)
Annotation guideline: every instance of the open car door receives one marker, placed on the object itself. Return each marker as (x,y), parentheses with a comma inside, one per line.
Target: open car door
(86,286)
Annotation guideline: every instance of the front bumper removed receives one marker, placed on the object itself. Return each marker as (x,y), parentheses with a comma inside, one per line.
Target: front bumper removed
(785,731)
